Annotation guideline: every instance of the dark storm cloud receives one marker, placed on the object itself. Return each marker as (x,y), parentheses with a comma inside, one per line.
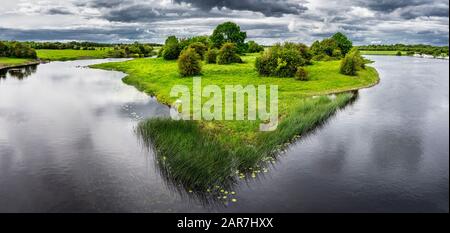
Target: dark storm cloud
(58,11)
(101,3)
(391,5)
(267,21)
(80,34)
(425,10)
(267,7)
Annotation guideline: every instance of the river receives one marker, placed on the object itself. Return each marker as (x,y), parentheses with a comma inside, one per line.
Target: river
(68,144)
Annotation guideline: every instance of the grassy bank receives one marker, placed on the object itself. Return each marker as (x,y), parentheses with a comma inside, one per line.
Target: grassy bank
(209,154)
(385,53)
(12,62)
(70,54)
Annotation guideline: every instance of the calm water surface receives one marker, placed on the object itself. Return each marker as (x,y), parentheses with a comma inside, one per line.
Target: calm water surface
(67,144)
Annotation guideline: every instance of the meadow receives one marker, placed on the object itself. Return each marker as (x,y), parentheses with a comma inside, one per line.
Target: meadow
(382,52)
(71,54)
(200,155)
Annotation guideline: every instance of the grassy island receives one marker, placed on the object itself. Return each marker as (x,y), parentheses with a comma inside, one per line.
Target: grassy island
(201,154)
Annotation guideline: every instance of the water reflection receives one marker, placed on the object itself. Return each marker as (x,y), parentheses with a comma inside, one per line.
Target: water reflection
(18,73)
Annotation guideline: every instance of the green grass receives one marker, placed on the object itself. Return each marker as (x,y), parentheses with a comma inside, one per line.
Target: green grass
(206,154)
(7,61)
(386,53)
(70,54)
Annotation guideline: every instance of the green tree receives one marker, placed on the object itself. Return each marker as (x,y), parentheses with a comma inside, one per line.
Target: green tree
(229,32)
(171,49)
(342,42)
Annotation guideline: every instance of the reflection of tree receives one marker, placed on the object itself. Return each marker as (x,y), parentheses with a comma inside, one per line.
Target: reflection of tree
(19,73)
(191,170)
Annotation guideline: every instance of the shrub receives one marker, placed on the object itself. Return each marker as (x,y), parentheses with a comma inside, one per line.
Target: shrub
(200,48)
(337,53)
(301,74)
(189,63)
(283,60)
(228,54)
(254,47)
(211,56)
(352,62)
(399,53)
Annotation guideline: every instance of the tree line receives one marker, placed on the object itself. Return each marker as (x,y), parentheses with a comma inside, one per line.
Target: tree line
(76,45)
(410,49)
(16,49)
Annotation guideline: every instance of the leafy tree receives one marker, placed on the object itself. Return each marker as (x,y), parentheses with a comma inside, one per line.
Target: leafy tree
(328,46)
(229,32)
(342,42)
(189,63)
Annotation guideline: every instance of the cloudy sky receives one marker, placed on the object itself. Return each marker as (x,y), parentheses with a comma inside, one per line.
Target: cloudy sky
(266,21)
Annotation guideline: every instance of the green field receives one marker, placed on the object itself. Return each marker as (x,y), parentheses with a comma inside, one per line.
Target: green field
(387,53)
(70,54)
(8,61)
(201,154)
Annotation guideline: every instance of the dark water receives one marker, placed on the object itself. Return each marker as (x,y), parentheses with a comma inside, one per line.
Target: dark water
(67,144)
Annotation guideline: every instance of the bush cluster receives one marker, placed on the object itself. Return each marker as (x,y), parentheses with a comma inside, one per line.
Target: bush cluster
(228,54)
(132,50)
(253,47)
(199,48)
(282,60)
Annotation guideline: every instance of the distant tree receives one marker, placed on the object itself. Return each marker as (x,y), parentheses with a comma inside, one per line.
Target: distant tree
(343,42)
(253,47)
(229,32)
(398,53)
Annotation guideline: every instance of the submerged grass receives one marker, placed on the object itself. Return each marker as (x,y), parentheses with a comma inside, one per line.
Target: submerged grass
(204,154)
(194,157)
